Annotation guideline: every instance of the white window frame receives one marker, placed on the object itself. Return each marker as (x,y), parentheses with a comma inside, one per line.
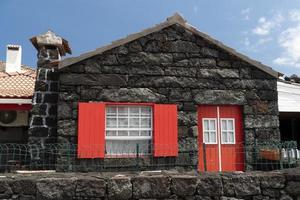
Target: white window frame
(221,131)
(204,130)
(126,138)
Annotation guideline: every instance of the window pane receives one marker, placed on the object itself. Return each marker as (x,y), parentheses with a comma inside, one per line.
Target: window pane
(123,122)
(206,125)
(212,137)
(111,110)
(212,125)
(206,137)
(133,133)
(127,147)
(123,111)
(230,124)
(134,111)
(145,111)
(146,122)
(122,133)
(111,133)
(145,133)
(134,122)
(230,137)
(224,137)
(111,122)
(224,125)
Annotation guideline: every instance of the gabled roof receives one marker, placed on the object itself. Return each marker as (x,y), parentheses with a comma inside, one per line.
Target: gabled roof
(17,84)
(175,19)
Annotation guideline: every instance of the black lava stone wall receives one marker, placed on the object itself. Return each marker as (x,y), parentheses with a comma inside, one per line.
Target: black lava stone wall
(171,66)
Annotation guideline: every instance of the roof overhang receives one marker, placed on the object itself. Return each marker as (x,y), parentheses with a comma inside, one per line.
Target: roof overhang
(175,19)
(15,101)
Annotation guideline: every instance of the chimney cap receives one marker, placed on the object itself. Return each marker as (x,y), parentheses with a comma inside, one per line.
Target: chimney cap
(51,39)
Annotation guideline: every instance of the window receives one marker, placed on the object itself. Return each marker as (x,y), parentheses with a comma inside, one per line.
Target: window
(228,131)
(126,128)
(209,130)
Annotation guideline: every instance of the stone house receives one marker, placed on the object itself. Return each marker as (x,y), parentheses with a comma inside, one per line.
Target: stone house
(165,90)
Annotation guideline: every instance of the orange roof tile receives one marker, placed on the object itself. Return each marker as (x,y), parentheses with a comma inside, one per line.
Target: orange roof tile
(17,84)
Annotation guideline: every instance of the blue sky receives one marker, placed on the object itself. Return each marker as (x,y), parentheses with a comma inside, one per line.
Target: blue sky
(268,30)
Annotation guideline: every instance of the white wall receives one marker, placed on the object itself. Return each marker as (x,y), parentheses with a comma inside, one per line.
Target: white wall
(288,97)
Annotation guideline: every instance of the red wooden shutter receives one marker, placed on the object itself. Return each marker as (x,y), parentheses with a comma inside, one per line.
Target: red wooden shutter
(91,130)
(165,138)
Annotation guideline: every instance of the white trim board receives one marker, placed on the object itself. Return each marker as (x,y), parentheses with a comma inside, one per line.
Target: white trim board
(15,101)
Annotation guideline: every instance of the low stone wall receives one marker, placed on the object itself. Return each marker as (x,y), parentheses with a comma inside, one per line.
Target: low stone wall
(282,185)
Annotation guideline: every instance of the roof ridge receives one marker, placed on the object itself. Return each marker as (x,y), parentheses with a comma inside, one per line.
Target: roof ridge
(174,19)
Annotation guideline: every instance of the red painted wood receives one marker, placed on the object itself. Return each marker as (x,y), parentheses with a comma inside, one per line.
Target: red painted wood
(165,136)
(232,154)
(212,156)
(15,106)
(91,130)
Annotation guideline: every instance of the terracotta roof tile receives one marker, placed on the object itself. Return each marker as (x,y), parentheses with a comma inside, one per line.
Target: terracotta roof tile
(17,84)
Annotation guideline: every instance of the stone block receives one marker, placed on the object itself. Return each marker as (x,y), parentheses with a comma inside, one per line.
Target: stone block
(119,188)
(130,95)
(37,121)
(272,180)
(65,96)
(40,85)
(209,52)
(39,109)
(202,62)
(55,189)
(50,121)
(53,86)
(93,79)
(90,188)
(177,94)
(220,97)
(293,188)
(187,118)
(23,186)
(50,98)
(184,185)
(218,73)
(38,131)
(261,121)
(64,111)
(180,46)
(151,187)
(241,185)
(180,71)
(210,185)
(66,128)
(5,190)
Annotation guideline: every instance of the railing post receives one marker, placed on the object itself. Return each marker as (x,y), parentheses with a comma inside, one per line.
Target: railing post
(204,156)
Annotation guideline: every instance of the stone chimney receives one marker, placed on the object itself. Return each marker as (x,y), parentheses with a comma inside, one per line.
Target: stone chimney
(43,121)
(13,58)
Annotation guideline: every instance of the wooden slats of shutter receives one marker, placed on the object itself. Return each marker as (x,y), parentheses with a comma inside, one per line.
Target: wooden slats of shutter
(91,130)
(165,138)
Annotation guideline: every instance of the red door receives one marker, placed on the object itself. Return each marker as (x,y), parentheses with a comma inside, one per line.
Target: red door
(221,138)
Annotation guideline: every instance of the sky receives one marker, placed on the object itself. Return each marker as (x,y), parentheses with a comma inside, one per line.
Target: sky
(264,30)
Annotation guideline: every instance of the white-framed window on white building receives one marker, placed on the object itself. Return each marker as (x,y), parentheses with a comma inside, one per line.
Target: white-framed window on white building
(227,131)
(210,130)
(126,128)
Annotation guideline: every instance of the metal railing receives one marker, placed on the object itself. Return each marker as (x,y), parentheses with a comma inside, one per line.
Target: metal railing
(64,157)
(265,156)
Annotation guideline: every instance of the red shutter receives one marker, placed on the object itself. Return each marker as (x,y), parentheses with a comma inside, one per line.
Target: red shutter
(91,130)
(165,138)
